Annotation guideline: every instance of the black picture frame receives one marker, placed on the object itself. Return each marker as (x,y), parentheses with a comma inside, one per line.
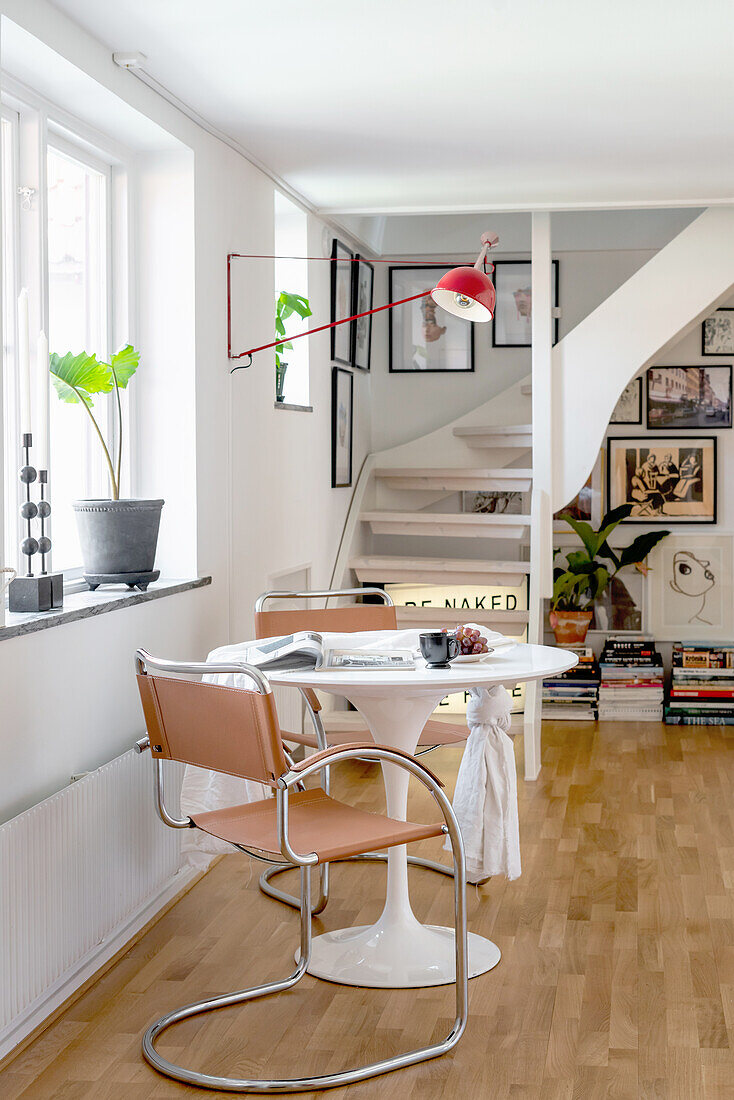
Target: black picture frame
(397,317)
(363,269)
(341,336)
(707,321)
(708,422)
(338,481)
(500,264)
(638,382)
(657,443)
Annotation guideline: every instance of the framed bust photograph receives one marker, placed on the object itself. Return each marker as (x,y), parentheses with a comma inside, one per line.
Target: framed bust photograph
(422,336)
(513,316)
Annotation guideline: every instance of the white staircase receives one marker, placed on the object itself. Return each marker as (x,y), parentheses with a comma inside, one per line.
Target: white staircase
(406,523)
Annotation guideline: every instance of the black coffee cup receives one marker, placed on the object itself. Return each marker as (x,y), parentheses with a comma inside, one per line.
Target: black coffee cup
(438,648)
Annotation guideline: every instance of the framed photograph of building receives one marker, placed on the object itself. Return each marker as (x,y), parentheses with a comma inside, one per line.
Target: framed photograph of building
(666,480)
(364,281)
(688,398)
(422,336)
(341,302)
(513,316)
(628,409)
(690,594)
(342,408)
(717,333)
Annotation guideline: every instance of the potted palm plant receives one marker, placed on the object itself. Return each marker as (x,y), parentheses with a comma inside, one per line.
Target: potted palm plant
(118,535)
(589,571)
(286,304)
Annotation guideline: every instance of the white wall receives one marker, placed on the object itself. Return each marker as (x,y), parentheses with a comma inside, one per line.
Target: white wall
(261,497)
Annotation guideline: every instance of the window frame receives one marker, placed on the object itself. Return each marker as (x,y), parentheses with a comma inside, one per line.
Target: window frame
(41,125)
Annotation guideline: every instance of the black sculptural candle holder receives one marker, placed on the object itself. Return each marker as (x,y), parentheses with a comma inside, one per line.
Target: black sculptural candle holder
(44,592)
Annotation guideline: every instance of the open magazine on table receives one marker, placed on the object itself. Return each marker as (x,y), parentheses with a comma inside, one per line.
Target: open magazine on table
(311,650)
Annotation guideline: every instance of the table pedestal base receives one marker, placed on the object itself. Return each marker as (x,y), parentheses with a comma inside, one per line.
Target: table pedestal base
(389,956)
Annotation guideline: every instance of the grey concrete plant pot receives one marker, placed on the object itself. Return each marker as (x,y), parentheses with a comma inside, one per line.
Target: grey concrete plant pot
(118,536)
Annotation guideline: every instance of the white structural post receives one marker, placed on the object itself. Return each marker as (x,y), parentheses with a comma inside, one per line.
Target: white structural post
(541,532)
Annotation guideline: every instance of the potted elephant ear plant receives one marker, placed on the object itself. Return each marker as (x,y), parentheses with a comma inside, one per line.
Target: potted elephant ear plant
(118,535)
(589,571)
(286,304)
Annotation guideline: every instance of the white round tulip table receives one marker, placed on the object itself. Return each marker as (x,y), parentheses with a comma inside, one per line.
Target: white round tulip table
(398,951)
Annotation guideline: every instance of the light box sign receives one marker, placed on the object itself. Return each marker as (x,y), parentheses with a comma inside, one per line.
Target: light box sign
(458,604)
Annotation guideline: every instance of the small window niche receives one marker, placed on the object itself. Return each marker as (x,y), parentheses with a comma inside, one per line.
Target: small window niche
(291,240)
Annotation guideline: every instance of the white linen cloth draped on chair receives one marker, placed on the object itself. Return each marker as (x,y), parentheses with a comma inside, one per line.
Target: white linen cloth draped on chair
(206,790)
(485,797)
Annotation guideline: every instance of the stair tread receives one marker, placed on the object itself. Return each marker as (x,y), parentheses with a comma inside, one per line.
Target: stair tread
(453,471)
(473,519)
(494,429)
(462,565)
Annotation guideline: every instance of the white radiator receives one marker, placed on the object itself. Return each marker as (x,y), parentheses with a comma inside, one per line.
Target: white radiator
(80,873)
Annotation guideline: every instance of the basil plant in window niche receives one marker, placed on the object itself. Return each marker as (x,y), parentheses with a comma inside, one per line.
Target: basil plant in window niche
(118,535)
(589,571)
(286,304)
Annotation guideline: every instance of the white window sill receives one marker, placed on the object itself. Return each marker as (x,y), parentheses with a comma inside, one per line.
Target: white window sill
(87,605)
(293,408)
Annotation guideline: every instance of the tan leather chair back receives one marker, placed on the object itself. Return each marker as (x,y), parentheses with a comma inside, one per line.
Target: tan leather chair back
(226,729)
(340,620)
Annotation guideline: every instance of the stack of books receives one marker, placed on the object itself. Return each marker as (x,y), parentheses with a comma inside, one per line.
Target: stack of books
(702,685)
(574,695)
(632,687)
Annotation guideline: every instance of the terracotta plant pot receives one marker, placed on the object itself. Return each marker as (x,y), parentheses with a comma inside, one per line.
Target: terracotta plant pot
(570,627)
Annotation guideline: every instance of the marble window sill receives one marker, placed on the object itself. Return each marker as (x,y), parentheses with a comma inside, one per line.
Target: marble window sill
(87,605)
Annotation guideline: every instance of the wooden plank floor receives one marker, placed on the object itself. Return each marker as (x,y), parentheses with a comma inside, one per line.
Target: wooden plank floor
(617,976)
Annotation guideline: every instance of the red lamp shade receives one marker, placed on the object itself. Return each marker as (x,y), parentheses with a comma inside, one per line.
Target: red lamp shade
(466,292)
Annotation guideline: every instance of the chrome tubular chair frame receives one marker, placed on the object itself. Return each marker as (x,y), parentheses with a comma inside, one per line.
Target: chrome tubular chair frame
(305,861)
(266,878)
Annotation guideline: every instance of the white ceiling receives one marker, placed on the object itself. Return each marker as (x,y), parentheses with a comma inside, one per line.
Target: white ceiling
(404,105)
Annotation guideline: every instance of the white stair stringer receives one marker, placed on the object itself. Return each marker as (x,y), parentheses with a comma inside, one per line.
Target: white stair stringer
(674,291)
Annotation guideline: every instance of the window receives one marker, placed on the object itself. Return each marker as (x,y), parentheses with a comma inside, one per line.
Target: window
(8,201)
(57,241)
(291,239)
(77,320)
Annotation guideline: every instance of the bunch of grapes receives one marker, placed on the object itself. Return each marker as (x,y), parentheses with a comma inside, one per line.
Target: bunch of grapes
(471,641)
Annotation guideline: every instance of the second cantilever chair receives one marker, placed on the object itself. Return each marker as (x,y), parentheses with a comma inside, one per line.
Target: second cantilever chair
(347,620)
(235,730)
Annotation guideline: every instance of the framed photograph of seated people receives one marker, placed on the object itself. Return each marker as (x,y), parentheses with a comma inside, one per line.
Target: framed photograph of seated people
(513,315)
(342,273)
(364,282)
(666,479)
(423,338)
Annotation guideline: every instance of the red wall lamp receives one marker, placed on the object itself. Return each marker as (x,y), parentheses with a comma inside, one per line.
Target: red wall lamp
(467,292)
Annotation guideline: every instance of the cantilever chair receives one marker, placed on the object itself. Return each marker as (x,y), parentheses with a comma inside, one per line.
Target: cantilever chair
(356,617)
(235,730)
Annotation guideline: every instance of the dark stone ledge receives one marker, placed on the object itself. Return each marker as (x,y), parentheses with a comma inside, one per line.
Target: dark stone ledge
(86,605)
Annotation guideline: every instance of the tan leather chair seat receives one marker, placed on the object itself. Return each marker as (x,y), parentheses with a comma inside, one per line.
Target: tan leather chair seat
(316,823)
(434,733)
